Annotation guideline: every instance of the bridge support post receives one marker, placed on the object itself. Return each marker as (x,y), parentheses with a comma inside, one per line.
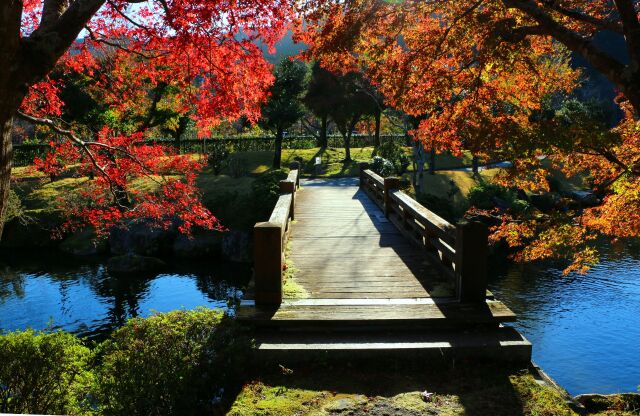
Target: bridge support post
(390,184)
(268,263)
(471,261)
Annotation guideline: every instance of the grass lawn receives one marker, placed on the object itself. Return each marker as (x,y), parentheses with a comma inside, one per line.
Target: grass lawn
(333,164)
(453,185)
(229,195)
(376,389)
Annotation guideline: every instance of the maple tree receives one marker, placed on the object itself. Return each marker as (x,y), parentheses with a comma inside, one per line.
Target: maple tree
(491,77)
(206,51)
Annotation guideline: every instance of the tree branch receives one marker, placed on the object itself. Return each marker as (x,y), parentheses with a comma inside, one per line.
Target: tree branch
(77,141)
(631,29)
(613,69)
(585,18)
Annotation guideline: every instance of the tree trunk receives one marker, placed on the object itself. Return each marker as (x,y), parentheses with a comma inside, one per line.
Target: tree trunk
(277,157)
(378,116)
(176,140)
(6,156)
(322,140)
(11,92)
(347,146)
(474,164)
(347,138)
(432,162)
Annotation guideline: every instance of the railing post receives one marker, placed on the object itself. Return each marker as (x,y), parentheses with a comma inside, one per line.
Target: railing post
(363,166)
(295,165)
(471,261)
(390,184)
(267,255)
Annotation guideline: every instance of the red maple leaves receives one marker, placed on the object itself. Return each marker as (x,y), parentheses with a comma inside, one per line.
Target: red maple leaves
(206,50)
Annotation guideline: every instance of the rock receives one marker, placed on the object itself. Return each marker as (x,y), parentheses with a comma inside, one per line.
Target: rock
(142,238)
(133,263)
(345,405)
(201,243)
(84,243)
(34,231)
(236,246)
(545,202)
(585,198)
(604,402)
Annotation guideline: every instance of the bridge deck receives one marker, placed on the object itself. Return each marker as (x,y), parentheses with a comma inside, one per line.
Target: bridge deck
(343,247)
(359,287)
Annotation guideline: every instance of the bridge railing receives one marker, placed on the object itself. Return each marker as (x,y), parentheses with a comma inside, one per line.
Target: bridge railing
(270,242)
(458,251)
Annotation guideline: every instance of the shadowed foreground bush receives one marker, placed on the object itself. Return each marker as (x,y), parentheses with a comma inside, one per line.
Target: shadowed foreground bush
(173,363)
(42,373)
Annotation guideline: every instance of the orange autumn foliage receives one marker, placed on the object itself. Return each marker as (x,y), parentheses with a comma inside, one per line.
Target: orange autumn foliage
(486,76)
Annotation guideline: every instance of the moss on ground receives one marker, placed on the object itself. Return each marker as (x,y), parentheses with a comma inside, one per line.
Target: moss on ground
(381,388)
(290,288)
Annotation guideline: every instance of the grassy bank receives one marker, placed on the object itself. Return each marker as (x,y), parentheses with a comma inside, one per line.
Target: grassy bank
(226,194)
(405,390)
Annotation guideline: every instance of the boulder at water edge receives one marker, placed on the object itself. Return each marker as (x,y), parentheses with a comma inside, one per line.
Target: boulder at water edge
(135,264)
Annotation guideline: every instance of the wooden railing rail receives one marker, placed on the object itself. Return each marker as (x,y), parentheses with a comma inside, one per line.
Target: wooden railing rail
(458,251)
(270,242)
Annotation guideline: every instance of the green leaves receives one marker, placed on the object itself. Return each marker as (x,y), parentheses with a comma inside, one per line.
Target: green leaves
(173,363)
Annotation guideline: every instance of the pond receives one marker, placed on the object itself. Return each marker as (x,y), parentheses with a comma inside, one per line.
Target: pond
(49,290)
(585,330)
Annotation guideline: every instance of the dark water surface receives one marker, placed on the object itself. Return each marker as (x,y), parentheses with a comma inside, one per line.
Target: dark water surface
(49,290)
(585,330)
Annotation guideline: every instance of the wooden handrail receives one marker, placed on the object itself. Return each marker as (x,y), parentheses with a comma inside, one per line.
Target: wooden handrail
(270,242)
(458,251)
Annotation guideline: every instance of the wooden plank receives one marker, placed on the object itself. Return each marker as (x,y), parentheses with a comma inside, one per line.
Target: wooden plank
(491,312)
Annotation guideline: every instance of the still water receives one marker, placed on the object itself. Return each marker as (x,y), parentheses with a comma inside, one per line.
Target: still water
(51,291)
(585,330)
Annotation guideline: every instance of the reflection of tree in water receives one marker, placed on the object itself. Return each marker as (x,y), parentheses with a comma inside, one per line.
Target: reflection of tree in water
(217,290)
(123,294)
(120,295)
(11,283)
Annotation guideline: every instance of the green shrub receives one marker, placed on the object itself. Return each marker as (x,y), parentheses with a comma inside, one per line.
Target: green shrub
(382,166)
(43,373)
(265,191)
(395,154)
(441,206)
(489,195)
(173,363)
(218,156)
(14,207)
(238,166)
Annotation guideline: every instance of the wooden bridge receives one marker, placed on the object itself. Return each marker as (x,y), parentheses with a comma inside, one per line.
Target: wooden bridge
(346,265)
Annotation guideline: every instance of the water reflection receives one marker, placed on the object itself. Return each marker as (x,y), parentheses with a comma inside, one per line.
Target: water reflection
(585,330)
(58,292)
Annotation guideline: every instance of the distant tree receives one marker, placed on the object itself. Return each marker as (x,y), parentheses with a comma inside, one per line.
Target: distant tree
(320,98)
(284,106)
(375,109)
(350,102)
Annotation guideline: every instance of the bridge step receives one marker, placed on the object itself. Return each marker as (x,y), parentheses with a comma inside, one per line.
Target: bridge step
(502,344)
(374,313)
